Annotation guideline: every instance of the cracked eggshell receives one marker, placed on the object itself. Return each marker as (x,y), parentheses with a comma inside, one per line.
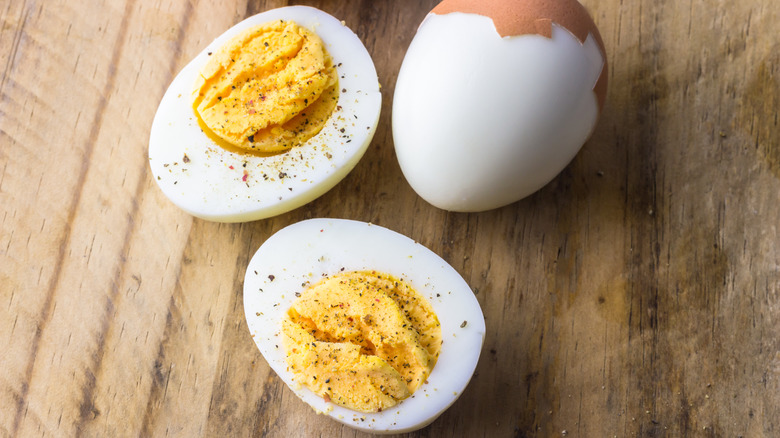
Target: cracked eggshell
(494,98)
(304,252)
(212,183)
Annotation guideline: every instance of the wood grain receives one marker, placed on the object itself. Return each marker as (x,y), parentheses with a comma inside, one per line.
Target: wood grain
(638,294)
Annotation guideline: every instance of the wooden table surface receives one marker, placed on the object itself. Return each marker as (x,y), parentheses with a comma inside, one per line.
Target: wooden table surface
(637,294)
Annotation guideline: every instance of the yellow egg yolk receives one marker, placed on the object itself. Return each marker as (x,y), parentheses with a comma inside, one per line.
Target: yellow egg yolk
(363,340)
(267,90)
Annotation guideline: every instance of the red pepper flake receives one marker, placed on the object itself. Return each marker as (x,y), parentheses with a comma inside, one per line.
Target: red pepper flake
(231,167)
(326,398)
(246,174)
(271,277)
(186,159)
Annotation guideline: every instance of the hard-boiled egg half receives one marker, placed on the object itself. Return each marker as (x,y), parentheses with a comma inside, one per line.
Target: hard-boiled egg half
(495,97)
(362,323)
(271,115)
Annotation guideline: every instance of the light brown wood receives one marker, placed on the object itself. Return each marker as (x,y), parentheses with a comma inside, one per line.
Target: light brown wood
(638,294)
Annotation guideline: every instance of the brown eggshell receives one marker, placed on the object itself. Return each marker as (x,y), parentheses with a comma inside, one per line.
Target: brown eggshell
(526,17)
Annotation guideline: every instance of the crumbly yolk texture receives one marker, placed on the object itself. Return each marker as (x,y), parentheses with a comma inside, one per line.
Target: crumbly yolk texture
(270,88)
(363,340)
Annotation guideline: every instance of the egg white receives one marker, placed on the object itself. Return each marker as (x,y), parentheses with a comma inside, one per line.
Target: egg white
(212,183)
(307,251)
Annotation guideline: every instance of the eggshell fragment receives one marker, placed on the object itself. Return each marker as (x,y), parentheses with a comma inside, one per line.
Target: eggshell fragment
(528,17)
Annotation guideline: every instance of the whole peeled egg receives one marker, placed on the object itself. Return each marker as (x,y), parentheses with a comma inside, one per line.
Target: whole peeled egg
(495,97)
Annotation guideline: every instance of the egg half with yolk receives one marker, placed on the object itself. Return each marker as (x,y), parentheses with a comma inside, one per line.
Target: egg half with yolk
(271,115)
(362,323)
